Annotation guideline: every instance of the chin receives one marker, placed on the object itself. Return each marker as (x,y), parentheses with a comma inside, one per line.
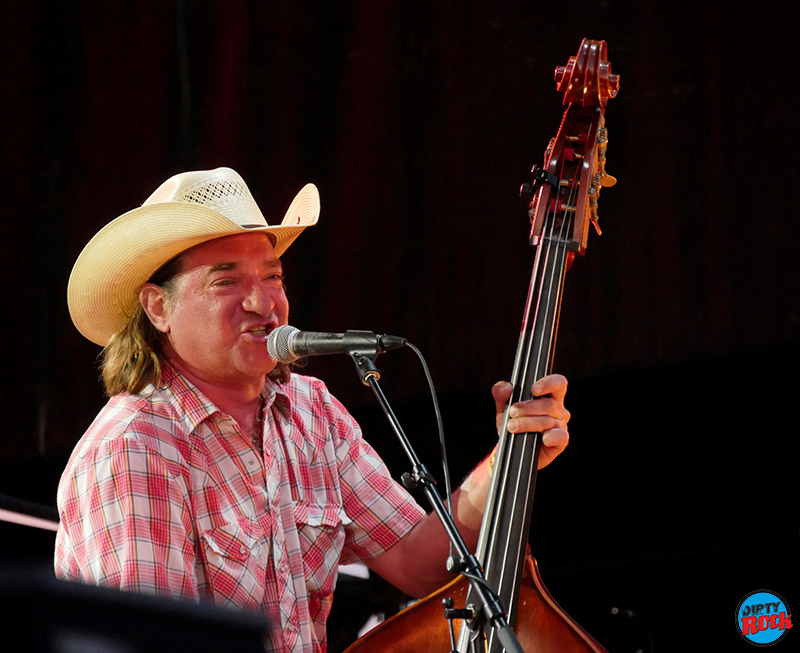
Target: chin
(260,367)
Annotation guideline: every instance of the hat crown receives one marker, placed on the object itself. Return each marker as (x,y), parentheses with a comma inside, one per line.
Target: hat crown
(221,190)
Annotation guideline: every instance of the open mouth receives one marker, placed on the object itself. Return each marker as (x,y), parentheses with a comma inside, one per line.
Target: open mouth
(260,331)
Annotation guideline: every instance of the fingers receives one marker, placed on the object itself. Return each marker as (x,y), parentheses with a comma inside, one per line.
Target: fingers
(545,412)
(554,385)
(543,407)
(501,391)
(546,415)
(535,424)
(554,441)
(549,402)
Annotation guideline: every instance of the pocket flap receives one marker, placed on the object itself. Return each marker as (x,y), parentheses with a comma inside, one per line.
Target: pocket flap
(225,543)
(313,514)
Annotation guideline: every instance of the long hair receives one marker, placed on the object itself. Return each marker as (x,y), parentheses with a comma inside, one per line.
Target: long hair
(132,358)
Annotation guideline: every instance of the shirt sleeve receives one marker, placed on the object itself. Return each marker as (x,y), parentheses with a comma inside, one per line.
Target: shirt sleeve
(380,511)
(125,522)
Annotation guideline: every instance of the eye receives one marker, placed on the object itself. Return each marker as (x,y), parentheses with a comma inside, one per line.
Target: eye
(223,282)
(275,278)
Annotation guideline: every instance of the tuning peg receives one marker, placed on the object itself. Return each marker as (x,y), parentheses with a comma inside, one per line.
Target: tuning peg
(527,190)
(526,193)
(602,178)
(606,180)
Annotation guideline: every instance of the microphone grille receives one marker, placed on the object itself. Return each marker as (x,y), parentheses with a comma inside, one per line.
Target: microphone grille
(278,344)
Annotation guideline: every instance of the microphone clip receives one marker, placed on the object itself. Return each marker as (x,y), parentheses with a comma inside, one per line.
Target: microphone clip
(364,347)
(365,365)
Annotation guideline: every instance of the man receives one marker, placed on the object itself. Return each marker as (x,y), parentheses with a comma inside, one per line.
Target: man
(213,472)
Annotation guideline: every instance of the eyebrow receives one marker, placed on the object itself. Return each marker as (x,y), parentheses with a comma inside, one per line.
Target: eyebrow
(271,263)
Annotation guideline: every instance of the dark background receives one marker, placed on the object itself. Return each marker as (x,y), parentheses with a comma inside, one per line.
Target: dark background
(418,121)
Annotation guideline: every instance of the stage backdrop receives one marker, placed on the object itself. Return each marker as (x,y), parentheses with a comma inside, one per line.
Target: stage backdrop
(418,122)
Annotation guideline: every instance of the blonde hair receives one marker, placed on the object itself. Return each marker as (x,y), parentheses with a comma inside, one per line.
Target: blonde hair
(132,358)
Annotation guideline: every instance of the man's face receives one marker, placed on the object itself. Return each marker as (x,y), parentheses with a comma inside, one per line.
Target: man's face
(224,302)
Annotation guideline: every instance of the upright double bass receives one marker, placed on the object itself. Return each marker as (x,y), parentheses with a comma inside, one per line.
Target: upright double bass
(562,201)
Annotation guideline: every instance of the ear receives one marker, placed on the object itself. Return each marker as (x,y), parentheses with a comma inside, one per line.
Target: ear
(154,302)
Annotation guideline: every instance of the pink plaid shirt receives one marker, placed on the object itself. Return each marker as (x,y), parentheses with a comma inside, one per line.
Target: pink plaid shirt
(164,494)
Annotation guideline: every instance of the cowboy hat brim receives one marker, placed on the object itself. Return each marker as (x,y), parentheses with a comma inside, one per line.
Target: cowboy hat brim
(104,285)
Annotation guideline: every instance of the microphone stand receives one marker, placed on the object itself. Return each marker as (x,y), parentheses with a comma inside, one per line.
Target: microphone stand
(467,565)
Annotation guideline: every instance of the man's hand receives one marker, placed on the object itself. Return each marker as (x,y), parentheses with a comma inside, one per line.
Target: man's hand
(415,563)
(545,414)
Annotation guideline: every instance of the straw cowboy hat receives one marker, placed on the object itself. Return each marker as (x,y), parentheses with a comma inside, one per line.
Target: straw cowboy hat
(186,210)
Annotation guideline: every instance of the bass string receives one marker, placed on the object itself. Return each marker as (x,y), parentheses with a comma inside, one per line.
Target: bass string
(555,244)
(551,254)
(548,275)
(500,484)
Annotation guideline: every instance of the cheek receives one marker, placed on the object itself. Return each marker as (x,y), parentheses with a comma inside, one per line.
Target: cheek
(199,319)
(282,309)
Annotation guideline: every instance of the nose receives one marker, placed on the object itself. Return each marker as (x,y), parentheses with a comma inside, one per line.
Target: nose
(260,299)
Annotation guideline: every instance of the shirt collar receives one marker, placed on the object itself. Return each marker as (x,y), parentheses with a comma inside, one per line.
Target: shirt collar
(197,407)
(276,393)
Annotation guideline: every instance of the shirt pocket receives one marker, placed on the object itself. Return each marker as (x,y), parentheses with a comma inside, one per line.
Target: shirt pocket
(321,533)
(235,563)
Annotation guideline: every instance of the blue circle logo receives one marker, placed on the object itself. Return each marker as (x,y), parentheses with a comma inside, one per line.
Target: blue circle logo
(763,618)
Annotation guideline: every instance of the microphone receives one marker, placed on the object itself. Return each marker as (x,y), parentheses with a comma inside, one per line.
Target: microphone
(286,344)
